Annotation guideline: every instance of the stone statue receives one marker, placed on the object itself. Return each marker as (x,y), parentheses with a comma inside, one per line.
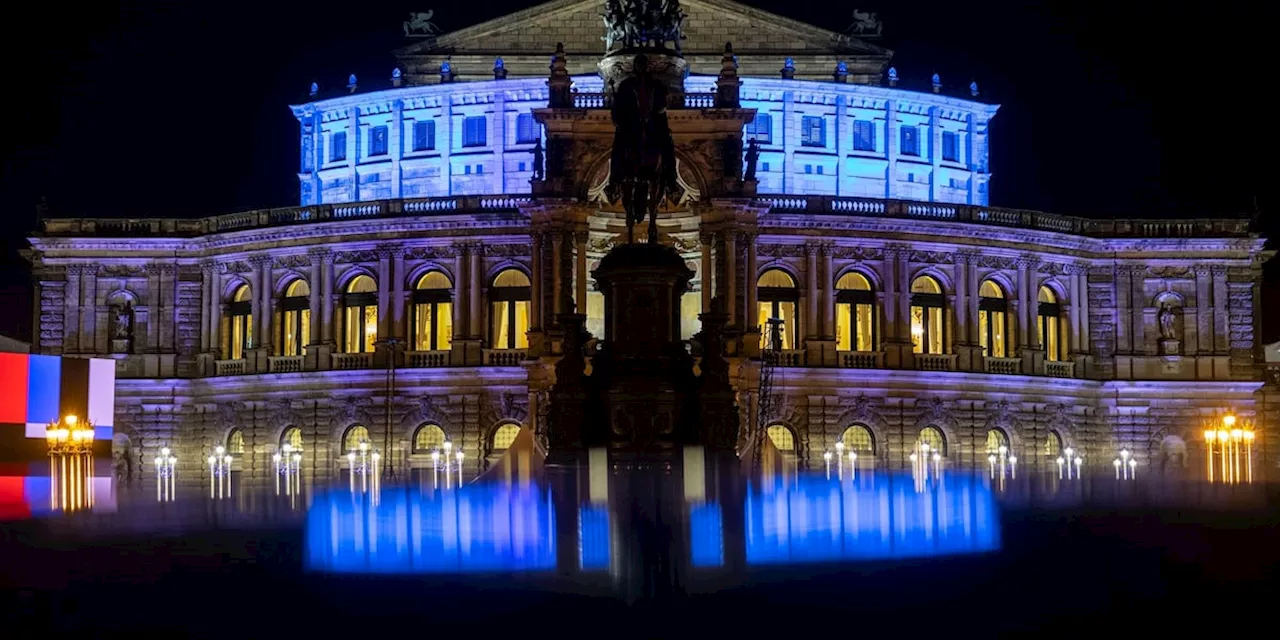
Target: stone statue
(865,23)
(539,173)
(615,29)
(1168,317)
(753,157)
(124,321)
(419,24)
(643,165)
(639,23)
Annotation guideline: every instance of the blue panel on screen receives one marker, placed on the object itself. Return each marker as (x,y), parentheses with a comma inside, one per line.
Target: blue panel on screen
(43,389)
(593,538)
(706,535)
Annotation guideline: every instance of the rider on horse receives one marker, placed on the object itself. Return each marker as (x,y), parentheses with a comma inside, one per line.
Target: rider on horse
(643,168)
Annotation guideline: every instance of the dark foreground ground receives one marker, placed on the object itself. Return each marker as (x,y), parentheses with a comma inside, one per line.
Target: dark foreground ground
(1097,570)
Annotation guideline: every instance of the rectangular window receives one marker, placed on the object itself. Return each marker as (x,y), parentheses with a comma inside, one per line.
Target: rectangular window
(378,141)
(910,141)
(474,131)
(761,129)
(526,129)
(764,166)
(808,168)
(521,167)
(813,131)
(479,169)
(957,183)
(911,177)
(819,169)
(950,146)
(466,169)
(864,135)
(338,147)
(424,135)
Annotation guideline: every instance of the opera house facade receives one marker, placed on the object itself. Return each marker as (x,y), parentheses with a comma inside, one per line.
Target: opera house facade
(448,214)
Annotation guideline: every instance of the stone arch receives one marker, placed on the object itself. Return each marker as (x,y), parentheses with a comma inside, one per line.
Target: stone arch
(932,271)
(281,283)
(936,414)
(503,265)
(1002,415)
(121,296)
(778,264)
(791,430)
(1001,280)
(864,270)
(423,269)
(1059,291)
(355,271)
(233,284)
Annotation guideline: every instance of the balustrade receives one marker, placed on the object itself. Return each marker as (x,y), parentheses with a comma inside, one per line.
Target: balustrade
(427,359)
(348,361)
(935,362)
(1060,369)
(284,364)
(229,367)
(1007,366)
(861,359)
(504,357)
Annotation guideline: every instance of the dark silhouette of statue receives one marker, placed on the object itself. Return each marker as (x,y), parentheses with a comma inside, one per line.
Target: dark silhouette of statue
(538,171)
(753,157)
(643,169)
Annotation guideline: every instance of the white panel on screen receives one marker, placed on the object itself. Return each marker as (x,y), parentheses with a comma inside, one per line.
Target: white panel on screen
(102,392)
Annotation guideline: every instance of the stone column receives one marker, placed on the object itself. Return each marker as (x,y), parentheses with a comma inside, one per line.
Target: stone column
(788,129)
(811,329)
(1082,277)
(1203,309)
(353,152)
(153,309)
(891,147)
(1073,313)
(71,338)
(1137,306)
(395,145)
(971,277)
(89,309)
(580,271)
(844,142)
(458,355)
(384,293)
(535,272)
(889,330)
(268,303)
(731,277)
(707,241)
(557,281)
(935,154)
(499,139)
(751,309)
(476,306)
(1024,283)
(327,325)
(316,287)
(206,296)
(828,293)
(397,294)
(1221,343)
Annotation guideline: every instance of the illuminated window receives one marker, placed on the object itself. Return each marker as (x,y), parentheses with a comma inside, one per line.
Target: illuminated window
(778,297)
(354,436)
(808,168)
(1052,446)
(235,442)
(360,315)
(996,439)
(928,327)
(950,146)
(813,131)
(428,438)
(1049,323)
(433,313)
(993,320)
(237,329)
(292,437)
(864,135)
(857,323)
(933,437)
(509,310)
(378,140)
(424,135)
(338,147)
(505,435)
(293,319)
(781,437)
(474,131)
(761,128)
(858,439)
(910,138)
(526,129)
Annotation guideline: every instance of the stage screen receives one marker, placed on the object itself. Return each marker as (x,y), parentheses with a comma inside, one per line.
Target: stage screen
(39,389)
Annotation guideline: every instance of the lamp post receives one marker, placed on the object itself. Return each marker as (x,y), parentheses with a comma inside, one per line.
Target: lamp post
(1231,435)
(220,473)
(826,457)
(390,344)
(70,443)
(839,460)
(166,475)
(364,460)
(288,463)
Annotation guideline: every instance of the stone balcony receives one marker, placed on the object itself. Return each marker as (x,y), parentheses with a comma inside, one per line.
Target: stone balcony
(784,204)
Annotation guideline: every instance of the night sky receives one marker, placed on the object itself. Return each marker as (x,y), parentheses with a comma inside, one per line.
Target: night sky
(137,109)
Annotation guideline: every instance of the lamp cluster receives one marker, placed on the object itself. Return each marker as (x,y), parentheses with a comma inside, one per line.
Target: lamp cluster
(1005,462)
(437,457)
(1126,465)
(1231,435)
(166,475)
(922,459)
(363,461)
(69,435)
(840,458)
(220,473)
(288,464)
(1066,462)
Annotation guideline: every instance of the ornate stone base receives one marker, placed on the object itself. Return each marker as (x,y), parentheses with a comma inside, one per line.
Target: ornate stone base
(1170,347)
(671,69)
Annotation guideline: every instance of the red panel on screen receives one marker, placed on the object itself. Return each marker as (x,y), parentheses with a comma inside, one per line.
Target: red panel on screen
(13,379)
(13,501)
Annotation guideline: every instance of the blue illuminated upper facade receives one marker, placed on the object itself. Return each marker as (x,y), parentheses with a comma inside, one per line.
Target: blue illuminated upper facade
(476,138)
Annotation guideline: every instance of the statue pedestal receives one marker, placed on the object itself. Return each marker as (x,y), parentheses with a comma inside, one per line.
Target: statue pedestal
(121,345)
(1170,347)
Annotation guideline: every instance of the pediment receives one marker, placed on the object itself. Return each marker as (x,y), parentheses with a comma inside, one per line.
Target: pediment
(578,24)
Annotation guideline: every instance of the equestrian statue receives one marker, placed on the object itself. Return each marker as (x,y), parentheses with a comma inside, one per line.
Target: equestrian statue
(643,165)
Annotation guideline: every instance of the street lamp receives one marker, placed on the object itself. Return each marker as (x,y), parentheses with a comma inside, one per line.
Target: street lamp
(1231,435)
(839,460)
(363,460)
(826,457)
(166,475)
(70,443)
(288,464)
(69,436)
(220,473)
(1126,465)
(390,344)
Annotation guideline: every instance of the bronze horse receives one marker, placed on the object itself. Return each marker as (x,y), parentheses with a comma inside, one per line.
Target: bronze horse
(643,171)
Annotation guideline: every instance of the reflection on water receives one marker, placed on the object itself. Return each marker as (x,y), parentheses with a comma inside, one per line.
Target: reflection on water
(811,519)
(475,529)
(68,483)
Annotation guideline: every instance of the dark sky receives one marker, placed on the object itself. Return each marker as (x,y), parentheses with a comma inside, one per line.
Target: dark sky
(178,109)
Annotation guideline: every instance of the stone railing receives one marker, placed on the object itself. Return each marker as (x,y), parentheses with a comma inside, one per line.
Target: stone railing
(284,364)
(1007,366)
(1060,369)
(229,367)
(786,357)
(426,359)
(861,359)
(935,361)
(783,204)
(1191,228)
(504,357)
(348,361)
(600,100)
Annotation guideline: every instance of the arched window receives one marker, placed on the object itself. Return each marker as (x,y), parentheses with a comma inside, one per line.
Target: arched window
(993,320)
(355,434)
(509,310)
(996,439)
(505,435)
(433,312)
(237,330)
(859,440)
(857,323)
(235,442)
(778,297)
(293,320)
(292,437)
(428,438)
(781,437)
(360,315)
(928,324)
(1049,323)
(1052,446)
(933,437)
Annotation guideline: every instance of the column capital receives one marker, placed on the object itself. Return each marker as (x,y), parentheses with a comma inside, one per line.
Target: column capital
(260,261)
(75,269)
(389,251)
(320,255)
(967,257)
(810,249)
(1218,269)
